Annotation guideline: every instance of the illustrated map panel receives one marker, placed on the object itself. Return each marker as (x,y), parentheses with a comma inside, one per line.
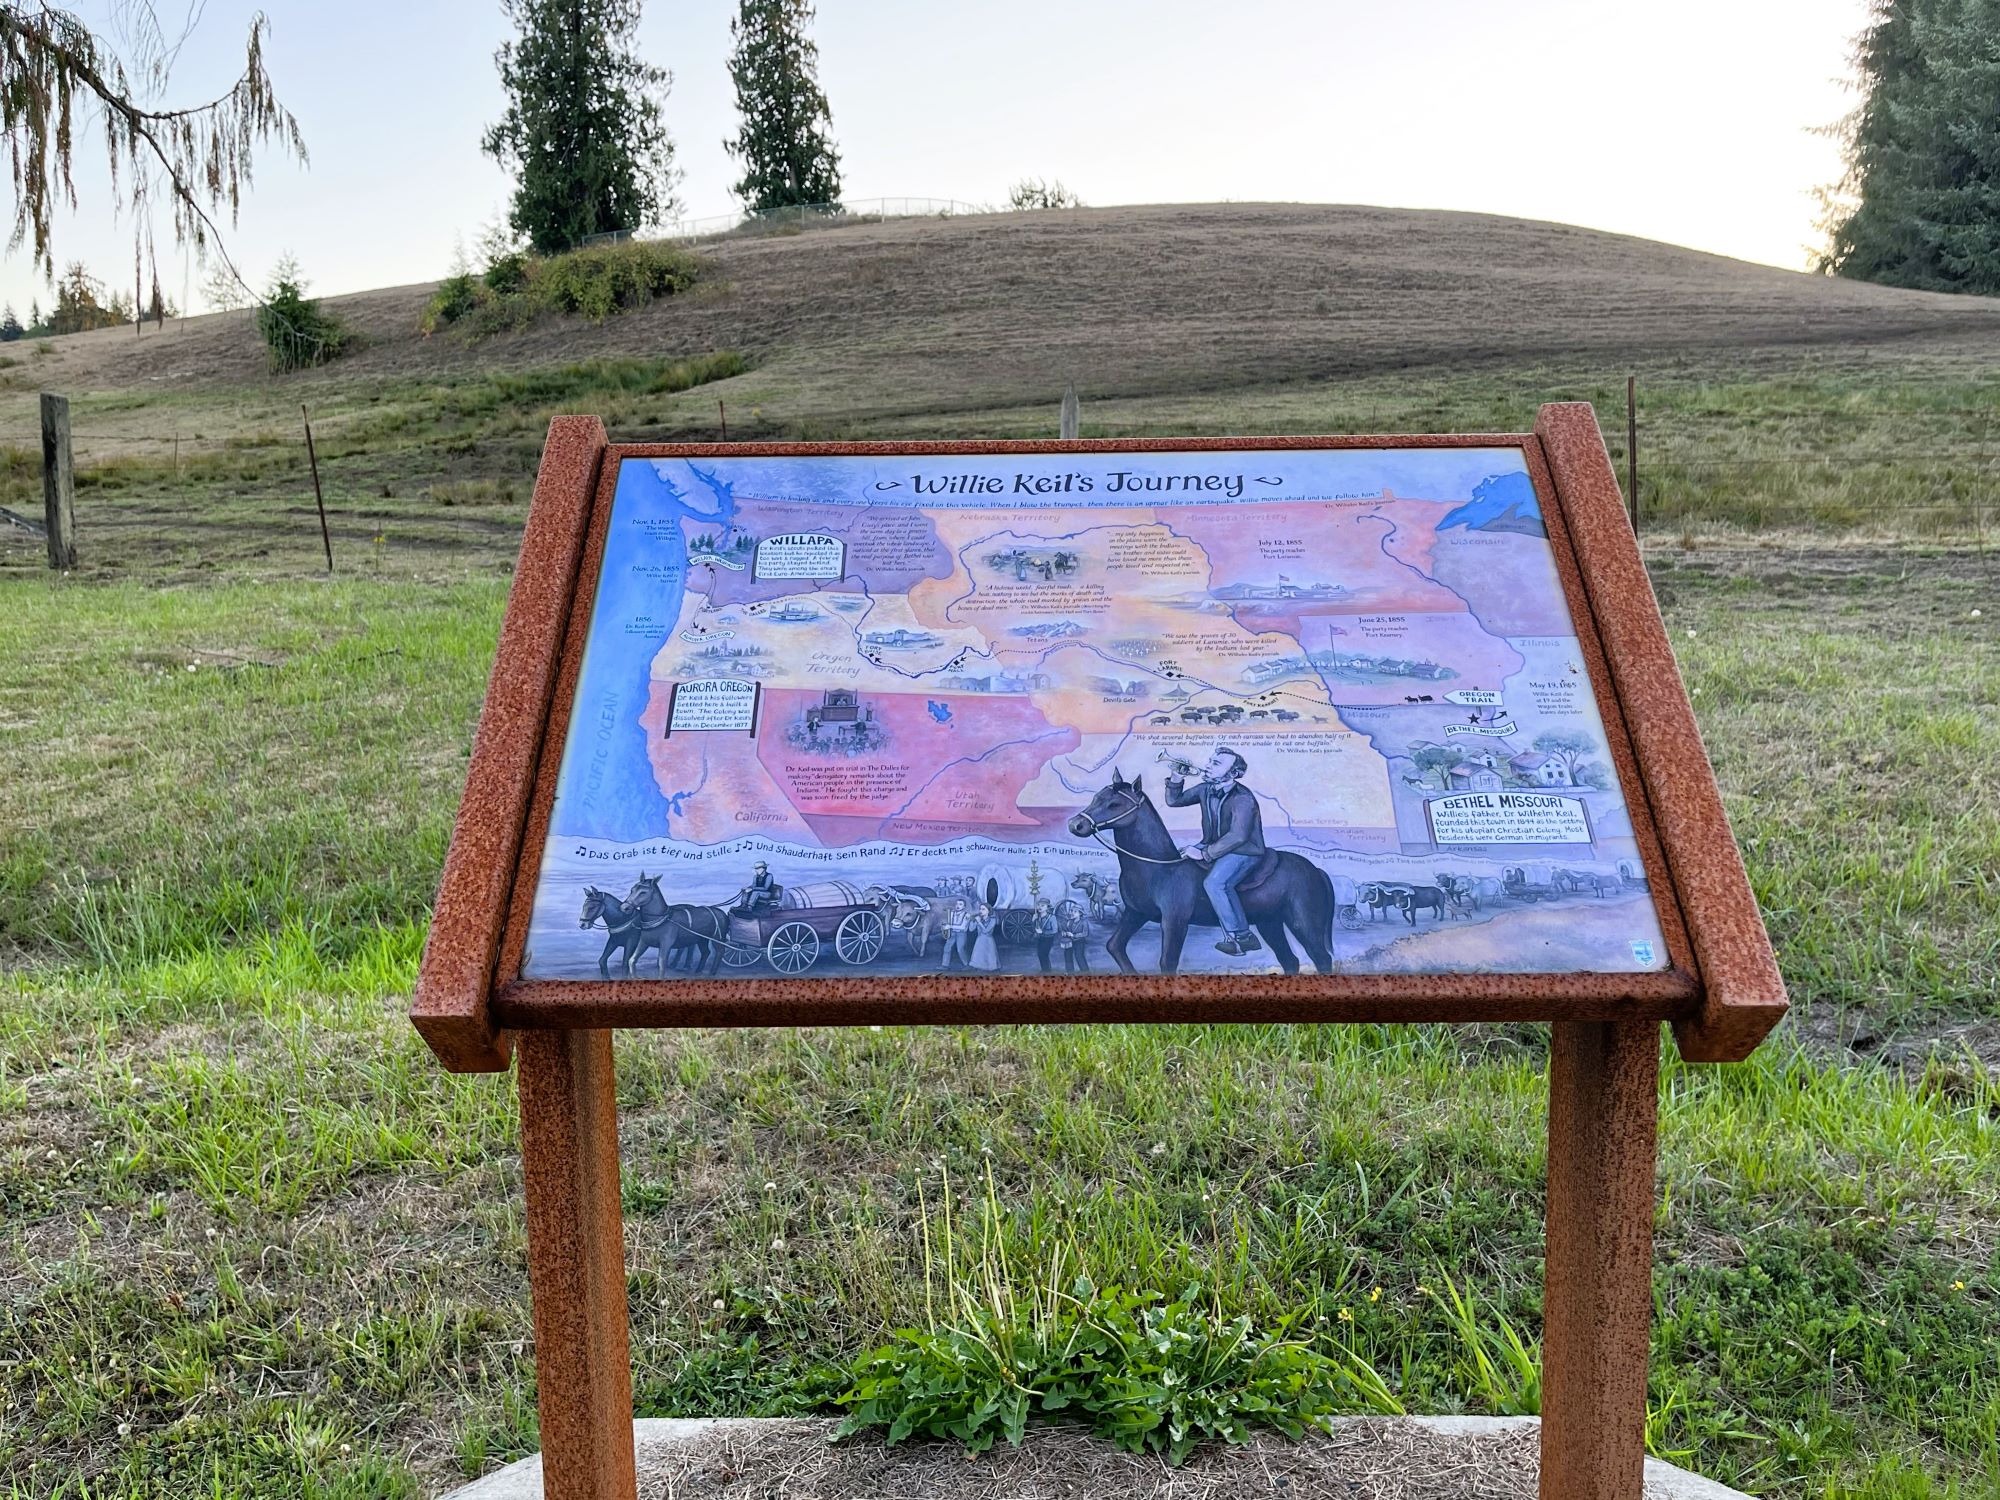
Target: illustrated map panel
(1019,714)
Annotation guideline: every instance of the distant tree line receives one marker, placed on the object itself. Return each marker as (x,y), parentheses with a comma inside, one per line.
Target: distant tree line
(585,136)
(1033,193)
(583,132)
(83,304)
(1920,203)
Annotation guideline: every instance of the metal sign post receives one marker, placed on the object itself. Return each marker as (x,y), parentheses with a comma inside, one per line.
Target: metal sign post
(1530,782)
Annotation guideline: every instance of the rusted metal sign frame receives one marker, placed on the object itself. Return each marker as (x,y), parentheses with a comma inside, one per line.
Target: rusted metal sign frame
(1722,991)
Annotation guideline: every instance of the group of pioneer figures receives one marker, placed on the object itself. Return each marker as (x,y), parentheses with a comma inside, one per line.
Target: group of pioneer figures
(970,934)
(1260,898)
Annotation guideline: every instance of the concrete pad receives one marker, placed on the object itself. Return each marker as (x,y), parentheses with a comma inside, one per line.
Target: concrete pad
(660,1440)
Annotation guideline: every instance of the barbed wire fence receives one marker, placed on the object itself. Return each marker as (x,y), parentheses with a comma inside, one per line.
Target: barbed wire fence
(795,216)
(1696,489)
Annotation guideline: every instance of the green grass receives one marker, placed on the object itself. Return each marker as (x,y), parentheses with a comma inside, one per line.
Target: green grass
(216,765)
(1851,719)
(309,1206)
(257,1242)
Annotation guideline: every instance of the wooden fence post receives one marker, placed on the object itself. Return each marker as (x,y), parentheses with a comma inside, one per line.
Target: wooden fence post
(58,482)
(1069,411)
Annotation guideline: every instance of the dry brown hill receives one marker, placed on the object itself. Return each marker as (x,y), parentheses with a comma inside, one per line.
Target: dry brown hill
(934,315)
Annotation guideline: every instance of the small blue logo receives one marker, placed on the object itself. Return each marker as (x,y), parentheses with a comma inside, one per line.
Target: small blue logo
(1643,951)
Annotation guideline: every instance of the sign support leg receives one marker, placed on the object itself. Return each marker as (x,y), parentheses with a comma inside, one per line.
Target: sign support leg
(576,1264)
(1598,1292)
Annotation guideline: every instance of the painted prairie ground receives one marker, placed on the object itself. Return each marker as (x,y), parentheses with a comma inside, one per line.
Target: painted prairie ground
(256,1244)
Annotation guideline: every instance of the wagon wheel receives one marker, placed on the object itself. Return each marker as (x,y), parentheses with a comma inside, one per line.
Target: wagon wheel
(1017,926)
(793,948)
(859,936)
(740,955)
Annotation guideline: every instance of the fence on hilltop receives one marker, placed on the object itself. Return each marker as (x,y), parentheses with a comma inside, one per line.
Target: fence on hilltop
(795,216)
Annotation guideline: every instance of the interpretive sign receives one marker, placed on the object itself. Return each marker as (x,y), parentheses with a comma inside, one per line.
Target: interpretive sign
(1222,711)
(1277,729)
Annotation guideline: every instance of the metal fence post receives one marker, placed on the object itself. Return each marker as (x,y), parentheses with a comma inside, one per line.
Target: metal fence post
(312,458)
(1632,449)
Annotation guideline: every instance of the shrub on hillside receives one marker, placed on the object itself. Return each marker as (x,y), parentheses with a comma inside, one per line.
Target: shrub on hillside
(518,287)
(507,272)
(456,296)
(1033,193)
(601,281)
(297,331)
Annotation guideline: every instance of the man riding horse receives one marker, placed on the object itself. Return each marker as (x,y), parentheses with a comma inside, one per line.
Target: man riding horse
(1157,882)
(1232,840)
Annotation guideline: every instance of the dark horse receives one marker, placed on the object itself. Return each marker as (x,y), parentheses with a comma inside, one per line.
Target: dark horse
(694,934)
(626,930)
(1157,885)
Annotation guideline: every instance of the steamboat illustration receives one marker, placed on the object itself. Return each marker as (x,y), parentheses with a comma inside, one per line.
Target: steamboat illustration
(791,612)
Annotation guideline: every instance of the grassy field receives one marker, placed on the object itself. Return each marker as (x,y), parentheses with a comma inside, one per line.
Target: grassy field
(259,1244)
(256,1243)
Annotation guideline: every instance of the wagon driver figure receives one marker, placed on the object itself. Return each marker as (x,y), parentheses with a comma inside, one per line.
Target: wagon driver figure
(1232,840)
(761,894)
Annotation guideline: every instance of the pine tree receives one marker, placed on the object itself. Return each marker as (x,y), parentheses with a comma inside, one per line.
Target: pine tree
(1920,204)
(78,308)
(35,324)
(10,326)
(583,130)
(784,142)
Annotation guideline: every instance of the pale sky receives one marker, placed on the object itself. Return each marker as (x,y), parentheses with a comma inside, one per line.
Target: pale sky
(1693,122)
